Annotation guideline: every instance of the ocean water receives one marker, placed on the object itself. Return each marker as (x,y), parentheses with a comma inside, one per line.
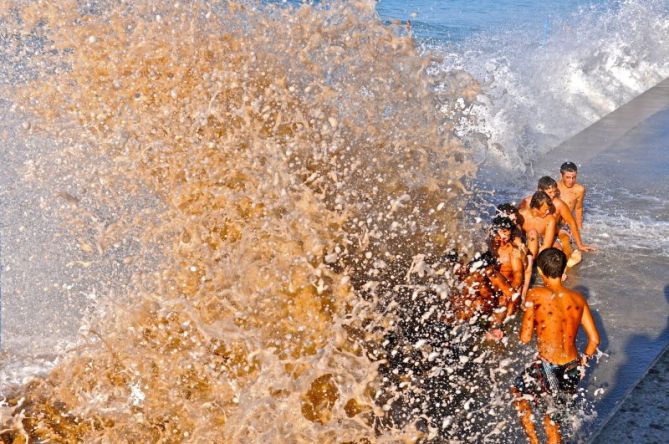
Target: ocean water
(546,69)
(226,221)
(457,21)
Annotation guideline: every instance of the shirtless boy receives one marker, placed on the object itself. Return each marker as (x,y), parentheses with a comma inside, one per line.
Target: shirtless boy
(518,238)
(509,257)
(562,215)
(538,222)
(486,295)
(572,193)
(555,313)
(510,211)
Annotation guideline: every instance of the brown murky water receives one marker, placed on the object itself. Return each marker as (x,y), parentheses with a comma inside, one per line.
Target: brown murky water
(304,167)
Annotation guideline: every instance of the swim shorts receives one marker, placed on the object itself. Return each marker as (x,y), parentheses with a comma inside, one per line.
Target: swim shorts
(566,229)
(542,379)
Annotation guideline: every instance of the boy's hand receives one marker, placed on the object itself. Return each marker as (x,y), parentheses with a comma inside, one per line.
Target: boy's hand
(584,364)
(586,248)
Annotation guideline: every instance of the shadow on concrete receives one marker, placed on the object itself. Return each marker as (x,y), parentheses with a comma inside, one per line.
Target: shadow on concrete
(637,349)
(582,339)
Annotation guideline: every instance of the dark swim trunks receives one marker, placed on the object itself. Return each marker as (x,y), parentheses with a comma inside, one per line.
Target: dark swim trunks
(550,385)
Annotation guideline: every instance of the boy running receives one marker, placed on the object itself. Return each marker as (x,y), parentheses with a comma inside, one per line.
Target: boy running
(555,313)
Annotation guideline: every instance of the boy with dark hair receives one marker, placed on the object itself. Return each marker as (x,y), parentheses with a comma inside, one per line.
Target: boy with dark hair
(510,211)
(539,223)
(485,296)
(563,215)
(510,258)
(571,192)
(555,313)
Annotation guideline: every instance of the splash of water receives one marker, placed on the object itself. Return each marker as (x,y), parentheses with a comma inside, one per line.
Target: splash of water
(543,86)
(292,171)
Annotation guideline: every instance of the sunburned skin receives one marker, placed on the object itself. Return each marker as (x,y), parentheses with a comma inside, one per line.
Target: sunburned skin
(511,264)
(509,211)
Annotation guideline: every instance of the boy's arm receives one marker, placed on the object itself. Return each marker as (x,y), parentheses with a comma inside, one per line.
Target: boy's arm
(527,325)
(500,283)
(588,324)
(578,208)
(517,267)
(565,213)
(527,277)
(549,235)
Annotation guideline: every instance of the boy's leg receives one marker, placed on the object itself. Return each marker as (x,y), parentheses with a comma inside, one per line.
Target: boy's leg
(565,240)
(552,429)
(525,413)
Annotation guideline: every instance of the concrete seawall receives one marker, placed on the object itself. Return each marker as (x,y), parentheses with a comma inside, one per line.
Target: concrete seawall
(623,161)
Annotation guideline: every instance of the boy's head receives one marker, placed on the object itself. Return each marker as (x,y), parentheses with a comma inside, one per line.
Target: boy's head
(507,210)
(502,229)
(542,203)
(568,172)
(552,262)
(549,186)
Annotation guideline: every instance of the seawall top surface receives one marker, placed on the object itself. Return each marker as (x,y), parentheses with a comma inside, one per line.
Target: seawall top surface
(623,161)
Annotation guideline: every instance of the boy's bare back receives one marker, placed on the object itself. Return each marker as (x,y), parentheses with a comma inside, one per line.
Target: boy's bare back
(556,317)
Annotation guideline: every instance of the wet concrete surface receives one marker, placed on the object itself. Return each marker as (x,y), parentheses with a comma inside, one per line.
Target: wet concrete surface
(644,415)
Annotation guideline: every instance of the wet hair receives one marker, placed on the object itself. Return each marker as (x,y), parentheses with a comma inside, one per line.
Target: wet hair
(501,223)
(540,198)
(568,167)
(546,183)
(552,262)
(508,210)
(505,209)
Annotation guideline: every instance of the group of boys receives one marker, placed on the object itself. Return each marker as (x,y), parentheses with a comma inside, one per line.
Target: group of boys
(537,232)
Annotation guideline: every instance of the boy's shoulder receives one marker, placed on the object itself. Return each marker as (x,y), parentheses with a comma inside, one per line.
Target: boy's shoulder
(537,293)
(574,294)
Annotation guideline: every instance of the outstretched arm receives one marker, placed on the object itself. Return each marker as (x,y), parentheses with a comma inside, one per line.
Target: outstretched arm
(501,284)
(517,267)
(566,215)
(527,277)
(590,330)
